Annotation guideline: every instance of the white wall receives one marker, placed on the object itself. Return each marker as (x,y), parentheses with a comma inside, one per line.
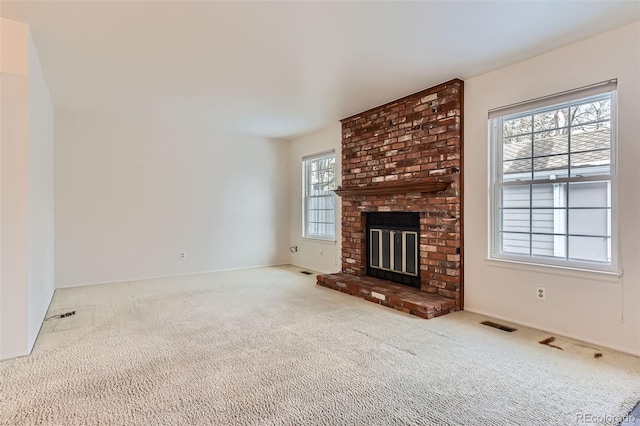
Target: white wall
(26,193)
(131,194)
(14,191)
(587,306)
(41,263)
(309,251)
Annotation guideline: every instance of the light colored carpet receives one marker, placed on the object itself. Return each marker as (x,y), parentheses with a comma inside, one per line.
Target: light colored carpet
(267,346)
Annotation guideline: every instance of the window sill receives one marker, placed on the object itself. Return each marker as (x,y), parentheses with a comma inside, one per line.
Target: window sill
(570,271)
(319,240)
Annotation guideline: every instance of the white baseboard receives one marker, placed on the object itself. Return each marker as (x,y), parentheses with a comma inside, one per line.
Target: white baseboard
(559,333)
(312,269)
(157,277)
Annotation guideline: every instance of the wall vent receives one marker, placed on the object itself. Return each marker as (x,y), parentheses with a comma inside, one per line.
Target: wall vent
(498,326)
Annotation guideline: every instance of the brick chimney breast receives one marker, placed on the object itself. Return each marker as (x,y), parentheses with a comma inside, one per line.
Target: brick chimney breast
(416,139)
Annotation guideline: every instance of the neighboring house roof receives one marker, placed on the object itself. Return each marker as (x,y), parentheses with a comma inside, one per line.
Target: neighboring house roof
(582,152)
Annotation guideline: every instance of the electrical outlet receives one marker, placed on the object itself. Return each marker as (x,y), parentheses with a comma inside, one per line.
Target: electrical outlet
(321,253)
(541,293)
(182,255)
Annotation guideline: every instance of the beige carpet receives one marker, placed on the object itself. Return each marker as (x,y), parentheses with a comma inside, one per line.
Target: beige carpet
(269,347)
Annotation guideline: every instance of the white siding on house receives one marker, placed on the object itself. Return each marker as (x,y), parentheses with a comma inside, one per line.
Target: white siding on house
(588,220)
(516,218)
(591,222)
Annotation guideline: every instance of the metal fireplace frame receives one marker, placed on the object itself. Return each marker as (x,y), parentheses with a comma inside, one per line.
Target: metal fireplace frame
(400,229)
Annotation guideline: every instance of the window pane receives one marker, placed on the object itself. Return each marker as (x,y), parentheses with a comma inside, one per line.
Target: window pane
(516,147)
(591,163)
(591,111)
(516,220)
(587,137)
(589,222)
(552,167)
(589,248)
(517,169)
(544,221)
(312,228)
(551,120)
(312,203)
(550,143)
(516,126)
(589,194)
(514,243)
(591,148)
(516,196)
(547,195)
(542,245)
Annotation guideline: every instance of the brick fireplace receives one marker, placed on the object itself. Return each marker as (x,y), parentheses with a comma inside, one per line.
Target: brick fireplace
(406,156)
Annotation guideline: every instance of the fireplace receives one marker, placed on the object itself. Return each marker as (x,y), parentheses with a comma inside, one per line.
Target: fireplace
(393,247)
(402,205)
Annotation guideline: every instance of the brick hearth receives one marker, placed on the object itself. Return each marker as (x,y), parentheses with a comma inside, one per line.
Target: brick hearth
(406,156)
(397,296)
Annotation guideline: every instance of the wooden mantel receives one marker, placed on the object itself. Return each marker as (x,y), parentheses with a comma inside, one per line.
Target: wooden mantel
(395,188)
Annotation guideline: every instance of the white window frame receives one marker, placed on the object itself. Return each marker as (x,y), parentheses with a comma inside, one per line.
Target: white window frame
(495,179)
(306,175)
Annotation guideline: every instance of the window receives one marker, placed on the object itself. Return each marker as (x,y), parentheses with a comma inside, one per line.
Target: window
(553,180)
(319,174)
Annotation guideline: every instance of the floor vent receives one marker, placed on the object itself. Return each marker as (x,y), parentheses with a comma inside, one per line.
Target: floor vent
(306,272)
(498,326)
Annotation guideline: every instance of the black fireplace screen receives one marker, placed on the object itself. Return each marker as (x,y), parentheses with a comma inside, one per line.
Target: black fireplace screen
(393,241)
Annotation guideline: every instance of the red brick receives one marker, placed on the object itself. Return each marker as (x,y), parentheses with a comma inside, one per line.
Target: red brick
(408,139)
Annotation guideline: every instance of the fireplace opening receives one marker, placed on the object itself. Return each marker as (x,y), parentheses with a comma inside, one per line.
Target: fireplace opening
(393,247)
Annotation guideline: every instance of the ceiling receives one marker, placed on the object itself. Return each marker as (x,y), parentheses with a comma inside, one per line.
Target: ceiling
(280,69)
